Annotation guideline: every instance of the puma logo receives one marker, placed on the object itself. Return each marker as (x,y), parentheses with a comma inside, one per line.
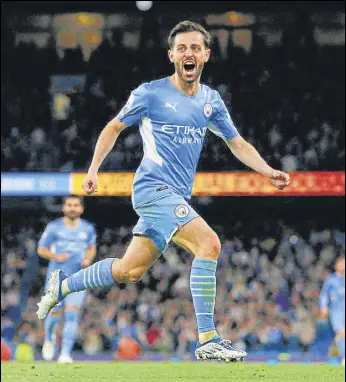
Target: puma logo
(171,106)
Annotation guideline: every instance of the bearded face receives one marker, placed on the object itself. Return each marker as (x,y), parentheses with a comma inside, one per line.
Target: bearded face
(189,54)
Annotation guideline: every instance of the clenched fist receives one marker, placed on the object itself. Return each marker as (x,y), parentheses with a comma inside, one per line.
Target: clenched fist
(90,183)
(86,263)
(279,179)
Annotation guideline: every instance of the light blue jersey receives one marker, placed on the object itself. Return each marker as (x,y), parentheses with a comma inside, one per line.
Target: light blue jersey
(333,298)
(173,126)
(59,239)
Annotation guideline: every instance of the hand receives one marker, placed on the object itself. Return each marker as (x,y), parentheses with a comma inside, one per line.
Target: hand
(324,313)
(62,257)
(90,183)
(279,179)
(86,263)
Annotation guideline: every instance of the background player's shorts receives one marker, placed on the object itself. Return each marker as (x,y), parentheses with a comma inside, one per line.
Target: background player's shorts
(161,218)
(337,320)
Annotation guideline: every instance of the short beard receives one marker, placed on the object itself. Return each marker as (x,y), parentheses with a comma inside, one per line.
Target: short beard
(181,75)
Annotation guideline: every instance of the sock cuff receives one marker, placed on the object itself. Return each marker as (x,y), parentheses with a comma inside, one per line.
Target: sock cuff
(210,265)
(96,276)
(106,265)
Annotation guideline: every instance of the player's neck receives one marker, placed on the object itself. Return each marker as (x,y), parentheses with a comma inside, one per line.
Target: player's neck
(184,87)
(70,222)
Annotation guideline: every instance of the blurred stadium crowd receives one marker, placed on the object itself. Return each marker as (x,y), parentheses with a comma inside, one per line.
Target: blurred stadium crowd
(287,100)
(269,278)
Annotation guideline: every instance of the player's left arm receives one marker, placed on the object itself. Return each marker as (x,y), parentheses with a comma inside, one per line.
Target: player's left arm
(91,249)
(90,256)
(247,154)
(221,124)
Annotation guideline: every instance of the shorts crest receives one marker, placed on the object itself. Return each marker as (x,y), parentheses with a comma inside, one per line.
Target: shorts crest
(181,211)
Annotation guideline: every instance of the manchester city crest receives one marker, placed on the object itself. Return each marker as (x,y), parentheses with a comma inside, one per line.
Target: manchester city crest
(208,109)
(181,211)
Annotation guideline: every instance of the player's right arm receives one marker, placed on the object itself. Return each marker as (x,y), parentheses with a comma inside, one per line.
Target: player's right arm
(324,300)
(45,243)
(104,145)
(135,108)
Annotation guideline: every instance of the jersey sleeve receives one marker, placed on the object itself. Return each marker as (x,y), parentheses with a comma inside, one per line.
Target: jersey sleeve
(324,296)
(92,236)
(220,122)
(48,237)
(136,107)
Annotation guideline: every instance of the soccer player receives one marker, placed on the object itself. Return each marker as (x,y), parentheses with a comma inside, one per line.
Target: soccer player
(174,114)
(69,244)
(332,304)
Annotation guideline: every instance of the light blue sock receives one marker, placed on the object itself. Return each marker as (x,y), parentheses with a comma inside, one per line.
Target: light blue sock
(340,343)
(97,275)
(50,325)
(70,330)
(203,289)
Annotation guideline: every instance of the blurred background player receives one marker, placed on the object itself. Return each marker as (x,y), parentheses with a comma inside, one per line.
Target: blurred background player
(175,113)
(69,243)
(332,303)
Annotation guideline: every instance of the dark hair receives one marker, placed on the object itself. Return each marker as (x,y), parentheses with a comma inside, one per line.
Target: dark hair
(189,26)
(80,198)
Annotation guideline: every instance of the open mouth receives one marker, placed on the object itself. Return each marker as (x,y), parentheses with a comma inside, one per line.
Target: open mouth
(189,67)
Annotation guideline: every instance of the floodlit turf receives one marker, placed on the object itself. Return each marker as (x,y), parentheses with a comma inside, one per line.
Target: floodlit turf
(161,372)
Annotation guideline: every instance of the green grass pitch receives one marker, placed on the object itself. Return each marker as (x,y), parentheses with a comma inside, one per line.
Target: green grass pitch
(162,372)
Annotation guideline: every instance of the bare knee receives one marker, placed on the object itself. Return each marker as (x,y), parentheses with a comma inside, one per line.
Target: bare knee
(210,247)
(124,274)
